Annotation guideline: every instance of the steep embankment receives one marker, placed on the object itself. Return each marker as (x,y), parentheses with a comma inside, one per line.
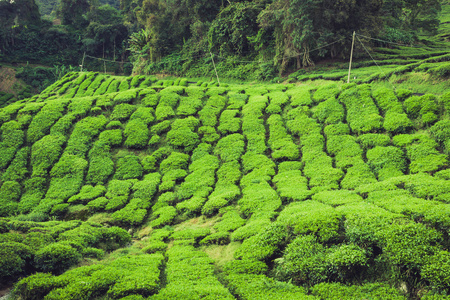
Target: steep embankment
(248,192)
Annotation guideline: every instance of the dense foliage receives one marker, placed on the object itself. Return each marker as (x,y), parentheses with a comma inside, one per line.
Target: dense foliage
(243,191)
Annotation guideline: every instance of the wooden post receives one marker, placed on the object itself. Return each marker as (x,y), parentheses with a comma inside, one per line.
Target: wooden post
(212,57)
(351,57)
(82,62)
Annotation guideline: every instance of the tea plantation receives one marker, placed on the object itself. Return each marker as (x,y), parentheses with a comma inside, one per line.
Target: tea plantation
(138,188)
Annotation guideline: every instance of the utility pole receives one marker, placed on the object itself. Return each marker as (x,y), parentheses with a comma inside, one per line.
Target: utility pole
(82,62)
(212,57)
(351,57)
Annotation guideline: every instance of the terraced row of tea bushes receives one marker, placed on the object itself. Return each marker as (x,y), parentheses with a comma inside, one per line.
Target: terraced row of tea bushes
(27,247)
(276,168)
(190,275)
(129,275)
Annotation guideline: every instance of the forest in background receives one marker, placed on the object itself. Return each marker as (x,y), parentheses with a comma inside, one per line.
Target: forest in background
(177,36)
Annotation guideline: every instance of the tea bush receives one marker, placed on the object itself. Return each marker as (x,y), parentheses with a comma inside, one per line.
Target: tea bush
(44,119)
(82,135)
(56,258)
(128,167)
(122,111)
(17,170)
(362,114)
(228,122)
(87,193)
(291,186)
(136,134)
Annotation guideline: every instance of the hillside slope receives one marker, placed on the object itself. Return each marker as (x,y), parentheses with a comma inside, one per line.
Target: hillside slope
(129,188)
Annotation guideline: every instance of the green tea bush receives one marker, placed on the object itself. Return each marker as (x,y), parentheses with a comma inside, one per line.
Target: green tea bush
(312,217)
(125,97)
(87,193)
(67,177)
(360,174)
(279,141)
(45,152)
(147,81)
(170,178)
(14,258)
(245,267)
(291,186)
(421,151)
(161,127)
(189,106)
(222,195)
(305,260)
(56,258)
(277,100)
(190,275)
(229,123)
(253,286)
(164,112)
(176,160)
(211,109)
(230,147)
(85,84)
(82,135)
(198,184)
(329,112)
(117,193)
(63,125)
(326,92)
(362,114)
(397,122)
(136,133)
(112,137)
(182,135)
(18,167)
(366,291)
(345,149)
(148,187)
(124,84)
(441,133)
(163,216)
(236,100)
(436,270)
(303,125)
(101,165)
(230,221)
(300,96)
(128,167)
(371,140)
(80,106)
(122,111)
(143,113)
(389,158)
(263,245)
(133,213)
(12,138)
(34,190)
(387,100)
(155,247)
(259,197)
(151,99)
(425,106)
(104,86)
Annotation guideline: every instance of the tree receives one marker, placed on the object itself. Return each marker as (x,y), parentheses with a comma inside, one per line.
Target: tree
(71,12)
(302,25)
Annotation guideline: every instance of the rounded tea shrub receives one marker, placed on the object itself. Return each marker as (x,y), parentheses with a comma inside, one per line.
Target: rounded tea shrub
(56,258)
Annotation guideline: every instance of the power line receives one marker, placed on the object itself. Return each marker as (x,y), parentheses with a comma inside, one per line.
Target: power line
(381,70)
(393,43)
(292,56)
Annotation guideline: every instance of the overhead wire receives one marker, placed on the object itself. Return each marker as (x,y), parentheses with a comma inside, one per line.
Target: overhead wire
(381,70)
